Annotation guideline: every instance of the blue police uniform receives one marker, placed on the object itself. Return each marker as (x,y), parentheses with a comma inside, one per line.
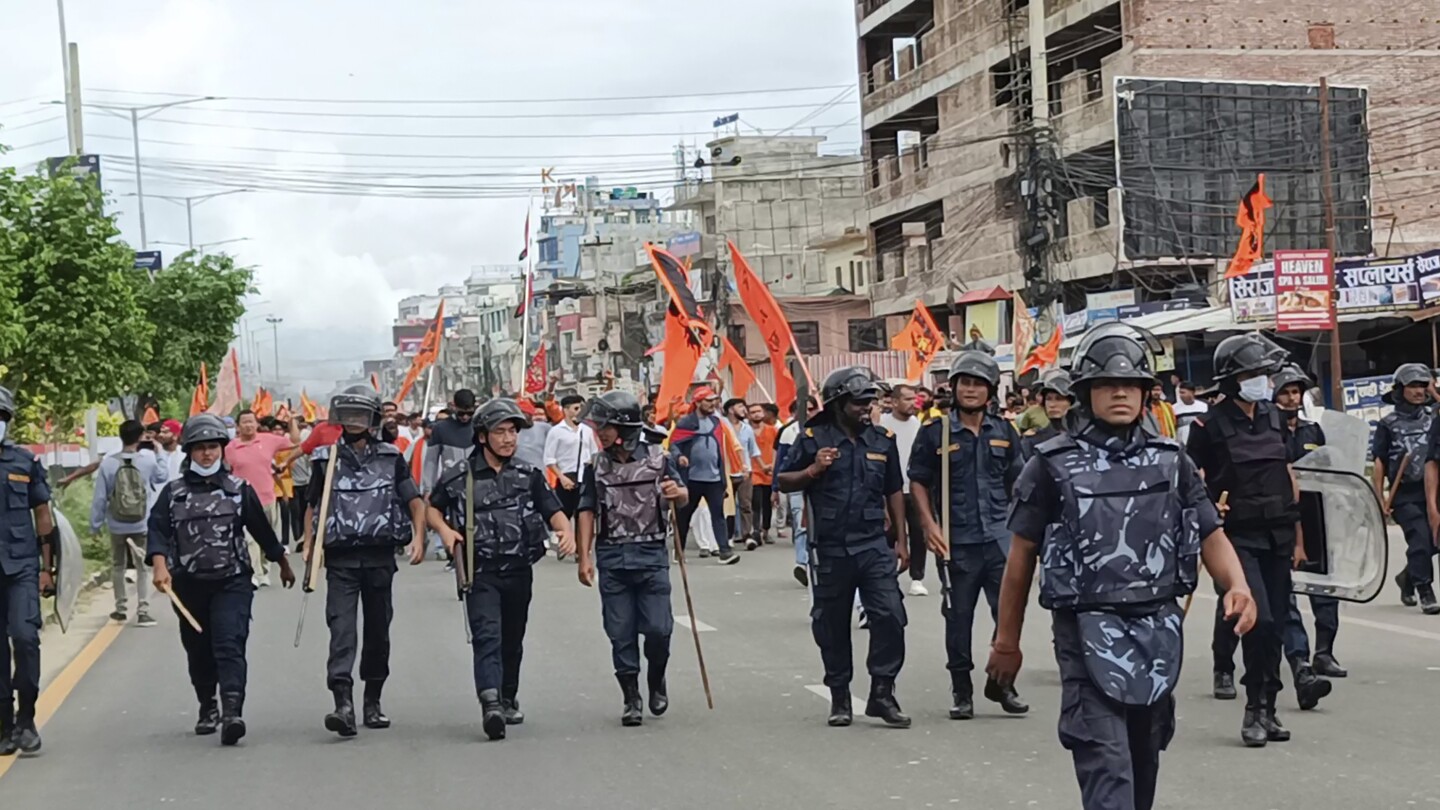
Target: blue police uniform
(849,550)
(1407,430)
(198,524)
(512,510)
(25,489)
(1118,520)
(631,520)
(983,467)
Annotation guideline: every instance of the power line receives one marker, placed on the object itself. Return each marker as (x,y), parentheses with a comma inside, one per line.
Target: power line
(437,135)
(583,99)
(489,116)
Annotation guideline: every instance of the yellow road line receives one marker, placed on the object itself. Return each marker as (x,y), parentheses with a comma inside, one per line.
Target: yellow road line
(67,680)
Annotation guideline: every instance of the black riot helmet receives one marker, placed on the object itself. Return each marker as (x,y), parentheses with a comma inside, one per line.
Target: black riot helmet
(1407,374)
(201,428)
(1058,381)
(620,410)
(356,407)
(1291,374)
(1247,353)
(855,382)
(1113,350)
(977,364)
(499,411)
(7,404)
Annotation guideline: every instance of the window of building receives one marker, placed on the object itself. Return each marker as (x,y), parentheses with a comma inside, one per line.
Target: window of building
(736,333)
(549,250)
(807,336)
(867,334)
(642,217)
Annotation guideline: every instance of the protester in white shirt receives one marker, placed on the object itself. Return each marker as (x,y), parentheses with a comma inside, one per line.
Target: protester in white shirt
(902,421)
(1187,409)
(568,448)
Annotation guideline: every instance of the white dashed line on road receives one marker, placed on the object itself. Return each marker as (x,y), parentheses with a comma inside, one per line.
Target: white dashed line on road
(684,621)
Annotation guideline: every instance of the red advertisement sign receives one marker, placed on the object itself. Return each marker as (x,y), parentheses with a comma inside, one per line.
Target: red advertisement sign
(1304,287)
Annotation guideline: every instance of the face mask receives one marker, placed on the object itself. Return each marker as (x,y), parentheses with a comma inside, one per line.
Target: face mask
(1256,389)
(4,426)
(207,471)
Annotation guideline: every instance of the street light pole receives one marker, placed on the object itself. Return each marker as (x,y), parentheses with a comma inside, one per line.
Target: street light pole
(139,175)
(275,336)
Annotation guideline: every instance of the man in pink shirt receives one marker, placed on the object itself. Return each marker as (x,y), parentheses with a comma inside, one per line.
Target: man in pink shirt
(252,456)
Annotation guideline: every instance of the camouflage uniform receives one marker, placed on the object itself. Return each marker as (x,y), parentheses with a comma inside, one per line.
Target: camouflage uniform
(198,523)
(22,489)
(369,518)
(1119,520)
(512,508)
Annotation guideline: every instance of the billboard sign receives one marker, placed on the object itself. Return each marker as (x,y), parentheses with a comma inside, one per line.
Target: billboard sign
(1304,282)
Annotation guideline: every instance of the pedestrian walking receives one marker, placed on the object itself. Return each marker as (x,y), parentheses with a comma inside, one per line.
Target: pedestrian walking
(121,504)
(699,445)
(903,422)
(251,455)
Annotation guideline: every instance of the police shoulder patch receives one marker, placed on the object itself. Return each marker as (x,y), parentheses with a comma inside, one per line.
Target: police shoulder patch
(1030,432)
(889,434)
(810,432)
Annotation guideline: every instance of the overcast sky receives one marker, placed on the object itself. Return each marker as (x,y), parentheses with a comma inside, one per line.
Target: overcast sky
(334,266)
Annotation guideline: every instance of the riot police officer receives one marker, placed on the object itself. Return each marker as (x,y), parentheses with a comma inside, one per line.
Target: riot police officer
(982,452)
(1241,447)
(1112,569)
(1302,437)
(850,472)
(26,569)
(1057,399)
(626,504)
(197,549)
(374,507)
(1402,436)
(510,502)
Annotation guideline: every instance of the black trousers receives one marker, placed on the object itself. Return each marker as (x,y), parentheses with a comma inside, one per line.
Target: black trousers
(1267,573)
(973,569)
(714,494)
(297,517)
(20,623)
(636,602)
(915,535)
(499,609)
(835,579)
(216,656)
(1419,545)
(569,498)
(1115,748)
(760,507)
(1327,624)
(368,589)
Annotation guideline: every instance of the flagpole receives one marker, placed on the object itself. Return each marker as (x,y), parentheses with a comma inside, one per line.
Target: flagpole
(525,299)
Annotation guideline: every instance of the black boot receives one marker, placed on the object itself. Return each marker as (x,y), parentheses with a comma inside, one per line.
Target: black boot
(492,717)
(1326,666)
(342,720)
(232,728)
(1224,686)
(882,704)
(1252,730)
(840,712)
(634,713)
(963,694)
(1427,599)
(659,696)
(209,720)
(1006,696)
(8,747)
(510,707)
(1274,732)
(1407,589)
(373,715)
(1309,689)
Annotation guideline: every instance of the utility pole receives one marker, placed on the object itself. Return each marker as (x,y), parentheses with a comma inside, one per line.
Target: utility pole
(1035,176)
(275,335)
(74,121)
(1337,393)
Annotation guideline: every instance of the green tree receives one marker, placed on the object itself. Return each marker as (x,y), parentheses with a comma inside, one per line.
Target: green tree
(194,305)
(72,329)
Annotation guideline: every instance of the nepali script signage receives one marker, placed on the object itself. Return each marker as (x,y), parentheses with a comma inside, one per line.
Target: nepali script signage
(1361,286)
(1252,296)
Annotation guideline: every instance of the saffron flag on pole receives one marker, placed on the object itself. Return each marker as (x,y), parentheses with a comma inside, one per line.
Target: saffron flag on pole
(1022,329)
(682,355)
(200,400)
(535,374)
(529,276)
(741,377)
(227,386)
(1047,354)
(262,403)
(1251,219)
(307,407)
(429,351)
(375,381)
(676,283)
(921,338)
(773,328)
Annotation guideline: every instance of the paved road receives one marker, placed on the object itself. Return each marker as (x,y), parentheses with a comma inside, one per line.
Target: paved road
(122,738)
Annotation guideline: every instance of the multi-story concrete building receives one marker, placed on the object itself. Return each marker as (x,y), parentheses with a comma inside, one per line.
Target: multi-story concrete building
(948,104)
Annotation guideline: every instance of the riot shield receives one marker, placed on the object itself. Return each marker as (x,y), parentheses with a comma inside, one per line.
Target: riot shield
(70,565)
(1344,527)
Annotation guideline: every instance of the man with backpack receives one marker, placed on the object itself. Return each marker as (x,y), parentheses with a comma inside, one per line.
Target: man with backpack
(123,485)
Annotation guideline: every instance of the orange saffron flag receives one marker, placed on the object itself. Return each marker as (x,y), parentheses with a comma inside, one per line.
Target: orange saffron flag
(307,407)
(1047,354)
(682,355)
(262,404)
(1251,219)
(774,328)
(921,338)
(200,400)
(429,351)
(741,377)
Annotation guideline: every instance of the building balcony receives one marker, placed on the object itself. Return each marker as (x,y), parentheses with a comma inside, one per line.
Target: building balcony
(1083,106)
(892,17)
(941,165)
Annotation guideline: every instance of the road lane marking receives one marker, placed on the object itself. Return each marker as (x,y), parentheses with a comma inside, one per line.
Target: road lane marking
(822,691)
(1374,625)
(64,683)
(684,621)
